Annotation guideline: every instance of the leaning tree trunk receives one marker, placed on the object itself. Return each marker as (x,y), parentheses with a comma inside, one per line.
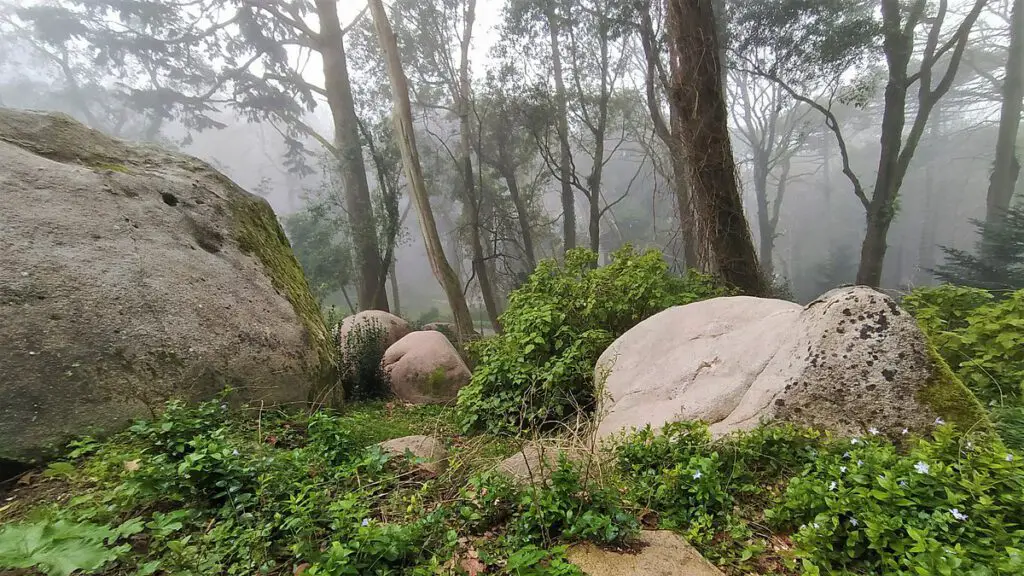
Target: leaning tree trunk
(521,215)
(697,95)
(414,172)
(564,154)
(371,292)
(1007,166)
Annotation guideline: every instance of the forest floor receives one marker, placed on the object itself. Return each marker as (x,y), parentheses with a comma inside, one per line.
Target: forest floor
(207,490)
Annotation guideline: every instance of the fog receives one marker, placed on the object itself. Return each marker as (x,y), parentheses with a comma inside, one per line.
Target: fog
(104,64)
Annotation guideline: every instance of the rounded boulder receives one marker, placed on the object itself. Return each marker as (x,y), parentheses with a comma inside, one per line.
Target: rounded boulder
(424,368)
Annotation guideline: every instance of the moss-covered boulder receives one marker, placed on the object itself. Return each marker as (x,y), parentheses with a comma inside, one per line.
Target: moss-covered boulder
(852,362)
(131,275)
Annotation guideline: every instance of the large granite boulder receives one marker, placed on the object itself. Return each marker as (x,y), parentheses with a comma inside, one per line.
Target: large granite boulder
(130,275)
(849,362)
(424,368)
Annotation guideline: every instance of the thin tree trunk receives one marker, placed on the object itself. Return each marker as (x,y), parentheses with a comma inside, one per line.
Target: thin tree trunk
(895,154)
(1006,169)
(522,216)
(565,153)
(397,308)
(703,129)
(371,292)
(766,232)
(414,173)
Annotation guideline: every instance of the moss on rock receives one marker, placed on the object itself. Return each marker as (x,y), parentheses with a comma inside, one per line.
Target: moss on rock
(950,399)
(258,232)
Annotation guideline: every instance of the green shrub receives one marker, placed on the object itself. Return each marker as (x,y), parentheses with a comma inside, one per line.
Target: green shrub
(359,362)
(981,338)
(953,505)
(539,371)
(62,547)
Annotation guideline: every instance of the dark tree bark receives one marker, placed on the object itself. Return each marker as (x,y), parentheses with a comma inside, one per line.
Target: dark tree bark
(1006,169)
(898,26)
(371,293)
(654,76)
(697,96)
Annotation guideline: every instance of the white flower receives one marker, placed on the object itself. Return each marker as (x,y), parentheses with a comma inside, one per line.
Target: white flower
(958,515)
(366,522)
(846,454)
(970,445)
(860,462)
(833,485)
(905,432)
(939,421)
(922,467)
(815,525)
(1009,457)
(853,522)
(234,452)
(854,441)
(842,469)
(697,475)
(873,431)
(903,483)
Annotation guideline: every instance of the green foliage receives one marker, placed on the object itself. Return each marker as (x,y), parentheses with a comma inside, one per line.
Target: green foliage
(980,337)
(949,506)
(359,362)
(998,263)
(540,369)
(60,548)
(213,491)
(324,254)
(694,485)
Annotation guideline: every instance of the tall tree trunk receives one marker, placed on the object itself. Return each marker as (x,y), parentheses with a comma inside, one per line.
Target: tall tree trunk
(471,197)
(414,172)
(397,308)
(680,182)
(896,154)
(521,215)
(565,154)
(704,134)
(371,292)
(765,230)
(1006,169)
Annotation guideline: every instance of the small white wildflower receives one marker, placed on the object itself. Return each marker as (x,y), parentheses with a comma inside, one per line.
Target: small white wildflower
(223,406)
(922,467)
(939,421)
(853,522)
(860,462)
(905,432)
(854,441)
(1009,457)
(697,475)
(873,431)
(366,522)
(903,483)
(815,525)
(802,526)
(842,469)
(833,485)
(846,454)
(958,514)
(234,452)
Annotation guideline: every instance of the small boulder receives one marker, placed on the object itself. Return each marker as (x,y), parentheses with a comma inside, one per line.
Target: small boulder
(848,362)
(661,553)
(424,368)
(392,328)
(535,462)
(432,458)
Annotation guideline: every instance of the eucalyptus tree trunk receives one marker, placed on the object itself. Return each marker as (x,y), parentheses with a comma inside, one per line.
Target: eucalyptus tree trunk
(1006,169)
(371,293)
(414,172)
(565,154)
